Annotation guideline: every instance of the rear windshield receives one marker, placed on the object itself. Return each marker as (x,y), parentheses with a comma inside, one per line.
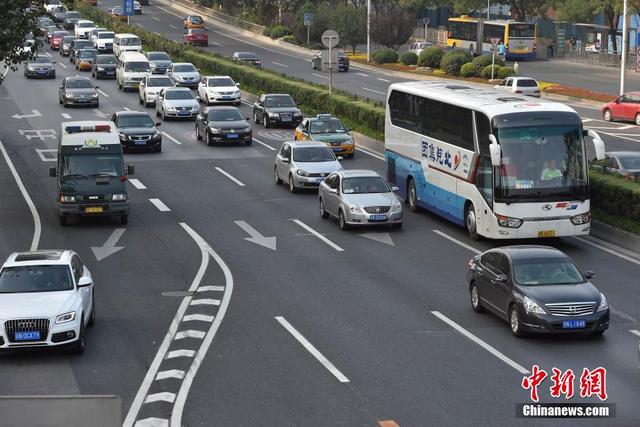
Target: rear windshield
(184,68)
(313,154)
(106,59)
(86,25)
(105,35)
(35,278)
(247,55)
(79,44)
(527,83)
(630,162)
(68,39)
(73,15)
(130,41)
(221,82)
(197,31)
(196,20)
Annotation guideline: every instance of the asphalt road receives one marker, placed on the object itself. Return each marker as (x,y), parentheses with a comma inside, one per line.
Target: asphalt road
(370,301)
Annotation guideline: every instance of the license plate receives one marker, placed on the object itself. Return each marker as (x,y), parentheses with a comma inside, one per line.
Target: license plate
(93,209)
(573,324)
(232,135)
(42,72)
(141,142)
(184,113)
(319,180)
(28,336)
(111,73)
(336,149)
(377,218)
(547,233)
(286,119)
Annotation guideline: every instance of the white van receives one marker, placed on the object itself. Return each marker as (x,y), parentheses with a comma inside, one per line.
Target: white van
(126,43)
(132,67)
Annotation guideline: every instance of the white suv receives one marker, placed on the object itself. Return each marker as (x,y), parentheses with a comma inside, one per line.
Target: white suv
(83,28)
(520,85)
(46,300)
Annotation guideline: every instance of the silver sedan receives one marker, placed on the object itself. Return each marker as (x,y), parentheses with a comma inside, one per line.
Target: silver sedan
(359,197)
(304,164)
(177,102)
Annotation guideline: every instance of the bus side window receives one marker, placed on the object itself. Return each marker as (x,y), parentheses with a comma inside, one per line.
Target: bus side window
(483,129)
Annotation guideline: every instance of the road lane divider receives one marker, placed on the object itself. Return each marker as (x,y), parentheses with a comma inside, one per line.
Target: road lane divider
(635,332)
(173,26)
(320,75)
(155,18)
(171,138)
(231,177)
(160,205)
(311,349)
(318,235)
(457,242)
(521,369)
(363,74)
(137,184)
(62,65)
(370,152)
(264,144)
(383,80)
(103,93)
(373,90)
(37,224)
(611,251)
(171,373)
(66,116)
(279,64)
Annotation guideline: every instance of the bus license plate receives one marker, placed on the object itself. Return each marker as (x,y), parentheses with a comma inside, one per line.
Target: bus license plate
(93,209)
(574,324)
(547,233)
(28,336)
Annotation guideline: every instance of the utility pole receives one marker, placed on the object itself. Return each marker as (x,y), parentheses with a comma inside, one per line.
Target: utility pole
(623,61)
(488,8)
(368,30)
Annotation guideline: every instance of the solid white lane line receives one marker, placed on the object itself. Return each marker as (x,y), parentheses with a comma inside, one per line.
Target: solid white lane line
(205,301)
(65,116)
(318,235)
(164,396)
(370,152)
(231,177)
(173,26)
(139,25)
(210,288)
(279,64)
(136,183)
(37,225)
(171,373)
(155,18)
(622,314)
(311,349)
(373,90)
(170,13)
(171,138)
(383,80)
(363,74)
(160,205)
(635,332)
(457,242)
(197,318)
(180,353)
(587,120)
(189,333)
(102,93)
(62,65)
(320,75)
(481,343)
(152,422)
(609,250)
(263,144)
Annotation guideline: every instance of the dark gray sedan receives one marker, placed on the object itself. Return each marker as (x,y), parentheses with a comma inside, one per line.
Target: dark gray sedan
(276,109)
(625,163)
(223,124)
(104,66)
(41,66)
(78,90)
(247,58)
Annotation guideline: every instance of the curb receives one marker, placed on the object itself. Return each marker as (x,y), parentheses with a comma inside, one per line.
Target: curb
(616,236)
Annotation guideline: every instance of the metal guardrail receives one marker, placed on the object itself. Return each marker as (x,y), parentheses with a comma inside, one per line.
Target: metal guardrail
(227,19)
(601,59)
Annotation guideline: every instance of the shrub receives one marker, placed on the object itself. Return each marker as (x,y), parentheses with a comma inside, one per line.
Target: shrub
(439,73)
(277,31)
(505,72)
(430,57)
(468,70)
(454,60)
(409,58)
(486,71)
(290,39)
(385,56)
(480,62)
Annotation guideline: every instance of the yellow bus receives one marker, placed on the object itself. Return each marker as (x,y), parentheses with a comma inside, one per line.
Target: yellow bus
(519,38)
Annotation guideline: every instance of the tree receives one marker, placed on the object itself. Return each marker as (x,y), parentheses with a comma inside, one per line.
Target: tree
(391,26)
(521,9)
(351,25)
(19,18)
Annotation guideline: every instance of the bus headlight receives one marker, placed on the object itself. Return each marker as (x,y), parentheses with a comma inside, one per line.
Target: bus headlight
(581,219)
(509,222)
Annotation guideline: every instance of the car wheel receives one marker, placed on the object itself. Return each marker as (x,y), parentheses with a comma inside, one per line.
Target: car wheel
(208,138)
(342,221)
(198,136)
(292,185)
(80,345)
(607,116)
(265,122)
(475,299)
(412,196)
(92,318)
(638,119)
(255,117)
(276,176)
(124,219)
(323,213)
(514,322)
(471,222)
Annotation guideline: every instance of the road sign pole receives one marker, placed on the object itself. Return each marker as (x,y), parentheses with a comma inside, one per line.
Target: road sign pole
(493,61)
(368,30)
(308,44)
(330,69)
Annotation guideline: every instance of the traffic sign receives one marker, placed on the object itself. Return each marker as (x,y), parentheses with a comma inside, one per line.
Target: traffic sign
(308,18)
(330,39)
(425,21)
(495,41)
(127,7)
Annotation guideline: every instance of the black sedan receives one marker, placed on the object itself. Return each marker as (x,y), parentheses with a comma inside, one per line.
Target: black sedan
(247,58)
(536,289)
(223,124)
(276,109)
(70,19)
(104,67)
(40,66)
(78,90)
(137,131)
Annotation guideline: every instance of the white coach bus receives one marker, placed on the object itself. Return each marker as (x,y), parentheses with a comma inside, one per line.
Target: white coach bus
(500,165)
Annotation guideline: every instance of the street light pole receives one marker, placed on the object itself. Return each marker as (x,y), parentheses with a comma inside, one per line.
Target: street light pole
(623,60)
(368,30)
(488,7)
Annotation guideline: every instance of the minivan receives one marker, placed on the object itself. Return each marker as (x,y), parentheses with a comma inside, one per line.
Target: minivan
(125,43)
(131,68)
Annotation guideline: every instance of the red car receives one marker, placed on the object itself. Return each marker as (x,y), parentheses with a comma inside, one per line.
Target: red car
(626,107)
(56,39)
(196,36)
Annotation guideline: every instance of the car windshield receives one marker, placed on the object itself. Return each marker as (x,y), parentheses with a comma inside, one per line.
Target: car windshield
(313,154)
(82,166)
(159,56)
(139,67)
(196,20)
(72,15)
(117,10)
(179,94)
(197,31)
(35,278)
(105,35)
(41,60)
(364,185)
(81,44)
(327,126)
(137,121)
(279,101)
(130,41)
(546,271)
(159,82)
(630,162)
(184,68)
(247,55)
(221,81)
(87,54)
(106,59)
(68,39)
(86,25)
(225,115)
(79,84)
(527,83)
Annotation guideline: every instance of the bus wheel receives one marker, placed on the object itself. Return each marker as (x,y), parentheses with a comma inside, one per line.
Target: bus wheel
(470,221)
(412,196)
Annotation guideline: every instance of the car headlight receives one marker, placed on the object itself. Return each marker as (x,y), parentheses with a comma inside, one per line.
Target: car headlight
(67,199)
(531,307)
(302,173)
(581,219)
(274,115)
(237,92)
(170,107)
(66,317)
(68,95)
(122,136)
(119,197)
(509,222)
(31,68)
(297,114)
(94,95)
(603,303)
(156,134)
(355,209)
(247,129)
(396,207)
(178,78)
(214,130)
(347,142)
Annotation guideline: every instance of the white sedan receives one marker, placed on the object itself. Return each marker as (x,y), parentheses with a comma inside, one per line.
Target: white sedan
(46,300)
(219,90)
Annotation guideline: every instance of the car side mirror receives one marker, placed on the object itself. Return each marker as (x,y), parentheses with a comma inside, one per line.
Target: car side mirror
(333,190)
(598,143)
(131,170)
(501,278)
(285,160)
(247,118)
(53,172)
(237,84)
(395,189)
(96,87)
(158,124)
(84,282)
(198,98)
(340,158)
(589,274)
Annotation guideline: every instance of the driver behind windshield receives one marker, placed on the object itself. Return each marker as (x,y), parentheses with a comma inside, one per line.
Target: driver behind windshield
(551,171)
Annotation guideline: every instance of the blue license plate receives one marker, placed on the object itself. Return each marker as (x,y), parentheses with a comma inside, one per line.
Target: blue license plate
(28,336)
(42,72)
(141,142)
(184,113)
(111,73)
(573,324)
(286,119)
(377,218)
(319,180)
(232,135)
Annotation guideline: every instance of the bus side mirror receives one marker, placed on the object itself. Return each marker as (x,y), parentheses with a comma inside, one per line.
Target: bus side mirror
(53,172)
(494,149)
(598,144)
(130,170)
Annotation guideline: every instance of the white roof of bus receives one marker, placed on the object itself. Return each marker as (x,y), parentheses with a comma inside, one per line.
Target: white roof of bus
(80,138)
(481,98)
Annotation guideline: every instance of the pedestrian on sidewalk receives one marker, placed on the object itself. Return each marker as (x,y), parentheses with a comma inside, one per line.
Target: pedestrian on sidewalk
(502,50)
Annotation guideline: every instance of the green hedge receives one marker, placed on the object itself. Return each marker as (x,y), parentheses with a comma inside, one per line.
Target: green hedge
(615,200)
(409,58)
(430,57)
(361,115)
(385,56)
(277,31)
(453,60)
(506,72)
(468,70)
(486,71)
(480,62)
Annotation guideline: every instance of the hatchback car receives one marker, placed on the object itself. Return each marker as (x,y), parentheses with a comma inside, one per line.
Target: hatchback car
(78,90)
(84,59)
(158,61)
(359,197)
(65,46)
(41,66)
(625,163)
(150,86)
(520,85)
(328,129)
(223,124)
(104,66)
(177,102)
(219,90)
(626,107)
(46,300)
(48,32)
(184,74)
(247,58)
(304,165)
(196,37)
(536,289)
(137,130)
(193,21)
(276,109)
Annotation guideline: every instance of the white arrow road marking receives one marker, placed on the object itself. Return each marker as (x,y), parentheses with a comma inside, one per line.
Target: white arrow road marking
(99,113)
(197,318)
(109,247)
(180,353)
(35,113)
(189,333)
(205,301)
(379,237)
(164,396)
(40,134)
(635,332)
(171,373)
(210,288)
(152,422)
(256,236)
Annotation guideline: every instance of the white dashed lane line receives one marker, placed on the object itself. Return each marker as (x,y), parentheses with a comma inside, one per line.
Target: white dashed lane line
(102,93)
(65,116)
(264,144)
(171,138)
(635,332)
(320,75)
(62,65)
(373,90)
(160,205)
(231,177)
(173,26)
(318,235)
(137,184)
(279,64)
(383,80)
